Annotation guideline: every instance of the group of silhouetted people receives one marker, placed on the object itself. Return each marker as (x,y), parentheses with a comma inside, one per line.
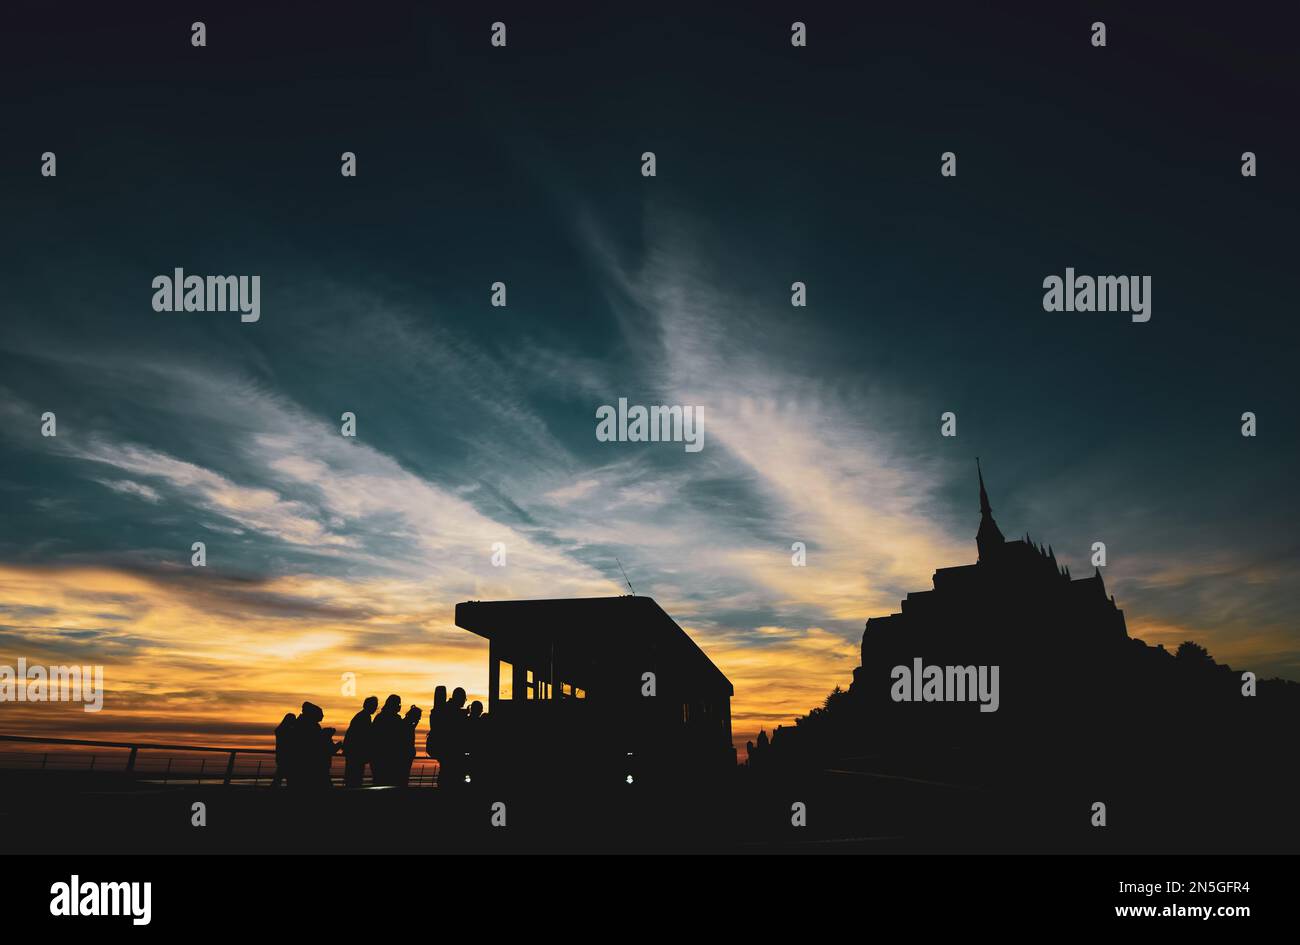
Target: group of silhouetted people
(304,750)
(386,742)
(455,735)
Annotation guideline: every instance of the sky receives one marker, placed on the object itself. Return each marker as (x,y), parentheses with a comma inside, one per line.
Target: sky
(476,424)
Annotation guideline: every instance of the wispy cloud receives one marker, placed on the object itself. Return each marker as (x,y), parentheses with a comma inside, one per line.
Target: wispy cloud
(127,487)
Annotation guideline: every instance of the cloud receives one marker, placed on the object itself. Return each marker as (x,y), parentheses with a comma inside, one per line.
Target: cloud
(817,457)
(127,487)
(260,509)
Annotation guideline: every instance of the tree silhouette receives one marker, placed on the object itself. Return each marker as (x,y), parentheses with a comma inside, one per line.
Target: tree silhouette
(1193,654)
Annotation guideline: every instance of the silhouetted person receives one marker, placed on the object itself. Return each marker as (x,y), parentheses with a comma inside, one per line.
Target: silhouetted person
(475,737)
(283,748)
(325,757)
(759,751)
(433,741)
(356,744)
(312,749)
(387,733)
(412,721)
(451,768)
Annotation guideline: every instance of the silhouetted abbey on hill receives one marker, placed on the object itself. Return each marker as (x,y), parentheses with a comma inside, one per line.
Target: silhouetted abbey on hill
(1009,672)
(1016,609)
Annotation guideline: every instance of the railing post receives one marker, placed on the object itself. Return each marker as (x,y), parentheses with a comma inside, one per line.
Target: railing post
(168,772)
(45,759)
(130,761)
(230,769)
(257,777)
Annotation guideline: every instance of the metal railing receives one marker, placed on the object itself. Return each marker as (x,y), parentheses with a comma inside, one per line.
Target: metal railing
(256,768)
(132,757)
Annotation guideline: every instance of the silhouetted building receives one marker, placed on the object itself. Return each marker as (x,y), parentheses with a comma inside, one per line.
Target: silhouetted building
(1078,714)
(568,684)
(1053,639)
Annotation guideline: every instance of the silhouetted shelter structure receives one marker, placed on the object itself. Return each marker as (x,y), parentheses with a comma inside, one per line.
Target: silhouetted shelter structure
(567,687)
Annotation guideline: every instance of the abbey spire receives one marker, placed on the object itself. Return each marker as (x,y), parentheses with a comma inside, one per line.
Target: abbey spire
(989,538)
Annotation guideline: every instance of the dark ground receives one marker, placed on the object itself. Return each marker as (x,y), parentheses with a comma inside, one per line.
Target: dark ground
(902,810)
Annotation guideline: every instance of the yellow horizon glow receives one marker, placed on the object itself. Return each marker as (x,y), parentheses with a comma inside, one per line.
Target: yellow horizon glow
(203,673)
(185,664)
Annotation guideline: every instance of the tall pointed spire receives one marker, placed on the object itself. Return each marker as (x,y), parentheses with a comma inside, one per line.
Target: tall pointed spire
(985,509)
(989,537)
